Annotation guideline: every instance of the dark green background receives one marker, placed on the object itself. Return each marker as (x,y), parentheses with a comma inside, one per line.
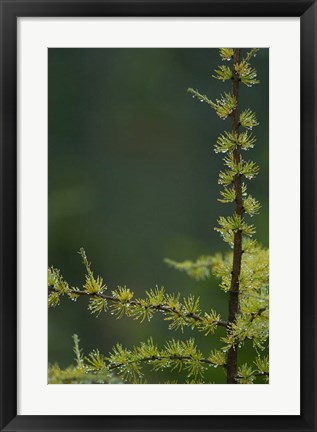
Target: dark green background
(133,179)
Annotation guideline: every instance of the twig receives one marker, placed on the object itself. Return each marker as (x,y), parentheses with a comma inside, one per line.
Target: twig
(160,307)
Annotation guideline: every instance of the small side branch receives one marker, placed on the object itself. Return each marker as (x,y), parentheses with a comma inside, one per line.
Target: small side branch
(190,318)
(156,358)
(180,355)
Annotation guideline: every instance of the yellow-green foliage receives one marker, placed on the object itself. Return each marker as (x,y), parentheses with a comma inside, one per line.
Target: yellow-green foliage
(252,320)
(89,370)
(198,270)
(226,53)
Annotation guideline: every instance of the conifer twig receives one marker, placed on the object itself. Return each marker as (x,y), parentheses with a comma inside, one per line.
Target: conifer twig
(160,307)
(165,357)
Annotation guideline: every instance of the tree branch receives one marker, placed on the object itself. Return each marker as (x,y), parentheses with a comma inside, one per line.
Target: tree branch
(158,308)
(232,360)
(165,357)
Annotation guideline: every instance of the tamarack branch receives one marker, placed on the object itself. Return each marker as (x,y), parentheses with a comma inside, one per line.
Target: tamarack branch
(243,272)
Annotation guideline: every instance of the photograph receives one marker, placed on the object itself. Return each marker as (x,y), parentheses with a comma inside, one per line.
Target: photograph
(158,215)
(159,175)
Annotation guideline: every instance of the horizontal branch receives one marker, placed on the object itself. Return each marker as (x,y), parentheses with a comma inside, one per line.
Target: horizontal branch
(175,355)
(160,307)
(165,357)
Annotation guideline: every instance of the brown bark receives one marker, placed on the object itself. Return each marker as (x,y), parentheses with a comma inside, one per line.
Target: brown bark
(232,358)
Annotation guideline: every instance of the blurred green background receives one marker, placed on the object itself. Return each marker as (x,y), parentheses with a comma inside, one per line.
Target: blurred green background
(133,179)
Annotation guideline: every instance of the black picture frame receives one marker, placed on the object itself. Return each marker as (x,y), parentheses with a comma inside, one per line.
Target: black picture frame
(10,11)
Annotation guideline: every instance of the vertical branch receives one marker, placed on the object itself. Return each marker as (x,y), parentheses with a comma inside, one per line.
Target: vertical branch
(232,358)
